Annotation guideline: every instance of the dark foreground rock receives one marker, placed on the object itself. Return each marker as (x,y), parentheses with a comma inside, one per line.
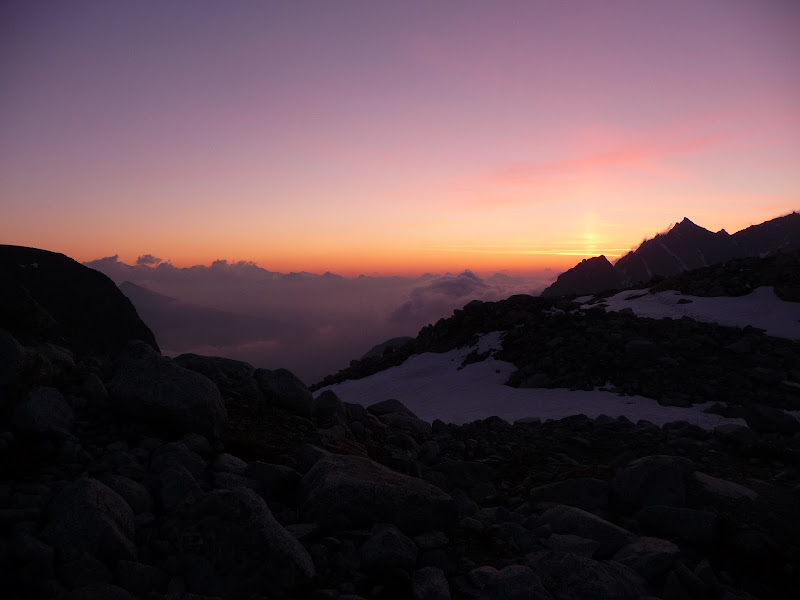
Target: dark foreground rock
(125,475)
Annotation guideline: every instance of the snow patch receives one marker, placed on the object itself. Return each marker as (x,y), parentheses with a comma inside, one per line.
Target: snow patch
(434,387)
(761,308)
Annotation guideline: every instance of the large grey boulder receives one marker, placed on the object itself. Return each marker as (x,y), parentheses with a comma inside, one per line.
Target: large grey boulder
(362,492)
(44,411)
(149,387)
(766,419)
(573,577)
(652,480)
(282,388)
(87,516)
(568,519)
(250,552)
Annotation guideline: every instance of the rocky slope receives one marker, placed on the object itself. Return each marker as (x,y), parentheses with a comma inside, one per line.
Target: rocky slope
(685,247)
(130,475)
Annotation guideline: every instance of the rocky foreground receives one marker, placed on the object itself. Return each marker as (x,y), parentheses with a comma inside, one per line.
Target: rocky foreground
(126,474)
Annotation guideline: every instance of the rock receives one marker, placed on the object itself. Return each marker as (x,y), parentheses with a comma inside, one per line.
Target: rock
(133,492)
(431,539)
(139,578)
(719,491)
(176,454)
(648,556)
(227,463)
(685,524)
(233,378)
(514,535)
(766,419)
(173,487)
(568,519)
(364,492)
(12,358)
(515,582)
(282,388)
(329,409)
(573,577)
(735,434)
(575,544)
(429,583)
(387,548)
(249,550)
(154,389)
(277,481)
(388,407)
(86,311)
(87,516)
(44,411)
(586,493)
(652,480)
(99,591)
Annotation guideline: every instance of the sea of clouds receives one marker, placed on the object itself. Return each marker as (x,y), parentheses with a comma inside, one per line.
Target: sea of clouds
(311,324)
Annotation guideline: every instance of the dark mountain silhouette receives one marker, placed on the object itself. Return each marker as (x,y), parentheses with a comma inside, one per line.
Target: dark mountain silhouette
(182,325)
(587,277)
(684,247)
(47,296)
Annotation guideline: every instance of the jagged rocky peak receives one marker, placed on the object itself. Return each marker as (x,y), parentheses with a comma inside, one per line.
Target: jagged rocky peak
(688,246)
(588,276)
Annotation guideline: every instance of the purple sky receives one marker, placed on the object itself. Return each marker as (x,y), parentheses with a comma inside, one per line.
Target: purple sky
(392,136)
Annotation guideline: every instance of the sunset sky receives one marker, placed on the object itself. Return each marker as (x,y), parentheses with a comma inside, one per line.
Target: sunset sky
(392,137)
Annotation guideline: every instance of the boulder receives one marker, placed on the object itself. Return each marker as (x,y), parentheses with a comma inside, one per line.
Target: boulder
(697,527)
(85,308)
(282,388)
(429,583)
(233,378)
(583,492)
(277,481)
(87,516)
(568,519)
(652,480)
(44,411)
(250,552)
(363,492)
(514,582)
(766,419)
(648,556)
(12,358)
(735,434)
(155,389)
(573,577)
(133,492)
(387,548)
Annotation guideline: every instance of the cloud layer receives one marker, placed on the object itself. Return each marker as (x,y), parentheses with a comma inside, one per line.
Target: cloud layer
(311,324)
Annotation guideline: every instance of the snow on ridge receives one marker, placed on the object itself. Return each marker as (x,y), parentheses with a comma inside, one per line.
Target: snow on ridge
(434,387)
(761,308)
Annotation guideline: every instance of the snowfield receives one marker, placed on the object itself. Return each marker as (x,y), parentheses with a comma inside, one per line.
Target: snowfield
(435,387)
(761,308)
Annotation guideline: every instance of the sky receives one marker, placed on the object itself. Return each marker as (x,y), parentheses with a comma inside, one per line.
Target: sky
(392,137)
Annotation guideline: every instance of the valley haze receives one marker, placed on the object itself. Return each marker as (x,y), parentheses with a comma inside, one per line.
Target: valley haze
(311,324)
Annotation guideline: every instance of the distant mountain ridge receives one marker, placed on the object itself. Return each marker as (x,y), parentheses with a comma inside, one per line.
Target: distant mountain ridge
(684,247)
